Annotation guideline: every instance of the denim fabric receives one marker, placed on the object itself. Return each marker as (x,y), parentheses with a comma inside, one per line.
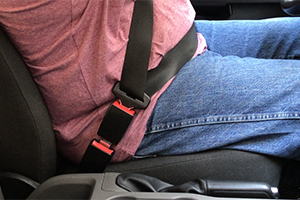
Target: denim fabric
(276,38)
(220,100)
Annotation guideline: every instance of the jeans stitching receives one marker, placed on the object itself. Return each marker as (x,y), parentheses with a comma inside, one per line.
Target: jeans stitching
(287,57)
(221,120)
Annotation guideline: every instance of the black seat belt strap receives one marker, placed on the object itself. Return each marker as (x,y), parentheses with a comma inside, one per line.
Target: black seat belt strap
(138,50)
(172,62)
(137,85)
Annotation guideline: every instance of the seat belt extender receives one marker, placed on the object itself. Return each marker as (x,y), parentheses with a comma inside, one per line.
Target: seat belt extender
(135,81)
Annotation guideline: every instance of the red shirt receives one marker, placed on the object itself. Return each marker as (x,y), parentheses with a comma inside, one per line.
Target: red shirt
(75,52)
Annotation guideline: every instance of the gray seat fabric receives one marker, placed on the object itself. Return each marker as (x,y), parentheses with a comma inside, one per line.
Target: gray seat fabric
(27,142)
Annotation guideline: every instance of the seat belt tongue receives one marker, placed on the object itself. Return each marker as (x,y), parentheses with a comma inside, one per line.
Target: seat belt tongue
(129,101)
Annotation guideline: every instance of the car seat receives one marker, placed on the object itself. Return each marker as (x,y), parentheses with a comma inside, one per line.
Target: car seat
(27,142)
(28,149)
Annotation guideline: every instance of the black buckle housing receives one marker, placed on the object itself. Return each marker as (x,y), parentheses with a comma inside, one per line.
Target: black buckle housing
(129,101)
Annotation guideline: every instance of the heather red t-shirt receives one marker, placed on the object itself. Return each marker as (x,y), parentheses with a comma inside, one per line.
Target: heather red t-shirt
(75,52)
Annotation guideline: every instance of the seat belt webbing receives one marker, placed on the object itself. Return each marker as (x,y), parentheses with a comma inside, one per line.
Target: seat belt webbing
(134,74)
(137,85)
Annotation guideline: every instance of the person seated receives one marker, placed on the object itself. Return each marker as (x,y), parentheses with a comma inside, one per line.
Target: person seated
(239,91)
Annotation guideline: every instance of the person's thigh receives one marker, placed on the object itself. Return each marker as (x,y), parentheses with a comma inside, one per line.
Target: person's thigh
(270,38)
(228,102)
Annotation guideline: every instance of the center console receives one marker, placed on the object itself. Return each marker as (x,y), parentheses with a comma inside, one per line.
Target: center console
(101,187)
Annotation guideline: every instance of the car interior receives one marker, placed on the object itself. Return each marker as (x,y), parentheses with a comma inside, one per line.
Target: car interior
(31,168)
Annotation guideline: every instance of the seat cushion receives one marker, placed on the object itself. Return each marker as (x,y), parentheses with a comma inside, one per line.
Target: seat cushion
(215,164)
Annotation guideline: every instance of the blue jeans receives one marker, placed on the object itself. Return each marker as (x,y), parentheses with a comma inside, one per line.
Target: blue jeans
(243,93)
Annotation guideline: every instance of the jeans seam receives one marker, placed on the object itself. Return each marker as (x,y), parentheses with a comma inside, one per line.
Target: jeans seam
(221,119)
(287,57)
